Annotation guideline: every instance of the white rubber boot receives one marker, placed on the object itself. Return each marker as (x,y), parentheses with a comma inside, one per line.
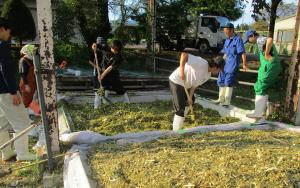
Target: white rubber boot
(8,152)
(42,141)
(126,98)
(221,98)
(186,111)
(260,106)
(178,122)
(21,146)
(106,94)
(97,101)
(228,95)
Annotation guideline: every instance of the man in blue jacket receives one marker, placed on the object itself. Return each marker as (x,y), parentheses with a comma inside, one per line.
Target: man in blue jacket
(234,51)
(12,111)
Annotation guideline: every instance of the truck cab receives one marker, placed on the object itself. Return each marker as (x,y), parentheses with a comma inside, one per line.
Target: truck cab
(210,35)
(205,33)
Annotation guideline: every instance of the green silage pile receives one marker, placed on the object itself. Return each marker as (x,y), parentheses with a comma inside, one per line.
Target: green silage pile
(121,118)
(219,159)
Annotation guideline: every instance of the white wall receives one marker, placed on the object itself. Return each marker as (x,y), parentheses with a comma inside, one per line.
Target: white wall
(285,24)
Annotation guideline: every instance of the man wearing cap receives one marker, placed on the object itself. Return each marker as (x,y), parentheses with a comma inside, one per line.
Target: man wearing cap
(268,72)
(12,111)
(234,51)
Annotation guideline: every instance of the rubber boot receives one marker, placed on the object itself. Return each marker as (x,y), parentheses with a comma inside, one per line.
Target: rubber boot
(126,98)
(221,98)
(260,106)
(8,152)
(97,101)
(21,146)
(228,95)
(178,122)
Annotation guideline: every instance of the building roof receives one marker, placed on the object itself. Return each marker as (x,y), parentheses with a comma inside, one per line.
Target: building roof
(285,18)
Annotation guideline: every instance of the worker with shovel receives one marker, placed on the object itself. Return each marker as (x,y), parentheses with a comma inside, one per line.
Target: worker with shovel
(192,72)
(268,72)
(12,111)
(109,76)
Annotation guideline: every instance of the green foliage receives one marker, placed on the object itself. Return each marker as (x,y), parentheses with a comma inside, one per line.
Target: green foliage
(172,18)
(64,21)
(232,9)
(260,25)
(92,17)
(77,54)
(242,27)
(128,34)
(261,7)
(21,19)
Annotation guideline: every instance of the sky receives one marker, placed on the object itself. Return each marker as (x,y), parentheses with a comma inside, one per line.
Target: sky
(248,11)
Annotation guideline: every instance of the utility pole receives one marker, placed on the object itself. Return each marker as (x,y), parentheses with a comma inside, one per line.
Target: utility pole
(293,88)
(44,18)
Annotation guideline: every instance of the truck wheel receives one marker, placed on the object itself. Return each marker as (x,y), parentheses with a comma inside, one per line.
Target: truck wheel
(204,47)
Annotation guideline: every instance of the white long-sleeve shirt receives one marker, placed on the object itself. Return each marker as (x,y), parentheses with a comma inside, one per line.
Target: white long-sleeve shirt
(195,71)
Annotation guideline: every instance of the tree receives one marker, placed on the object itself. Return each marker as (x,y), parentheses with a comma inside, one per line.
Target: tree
(232,9)
(64,21)
(172,18)
(21,19)
(285,10)
(260,25)
(92,18)
(259,8)
(172,15)
(244,27)
(125,9)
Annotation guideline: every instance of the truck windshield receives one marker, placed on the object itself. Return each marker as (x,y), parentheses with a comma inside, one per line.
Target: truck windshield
(222,20)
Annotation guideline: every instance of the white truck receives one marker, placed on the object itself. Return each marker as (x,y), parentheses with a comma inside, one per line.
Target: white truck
(205,33)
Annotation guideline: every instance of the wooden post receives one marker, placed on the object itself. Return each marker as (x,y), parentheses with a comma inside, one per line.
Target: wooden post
(44,18)
(295,58)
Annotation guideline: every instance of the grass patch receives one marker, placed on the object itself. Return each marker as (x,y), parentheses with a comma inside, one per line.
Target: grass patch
(218,159)
(27,177)
(109,120)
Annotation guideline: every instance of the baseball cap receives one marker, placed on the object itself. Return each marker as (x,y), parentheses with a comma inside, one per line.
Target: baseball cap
(249,33)
(228,25)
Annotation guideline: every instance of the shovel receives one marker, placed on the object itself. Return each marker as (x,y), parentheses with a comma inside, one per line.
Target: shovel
(192,115)
(101,91)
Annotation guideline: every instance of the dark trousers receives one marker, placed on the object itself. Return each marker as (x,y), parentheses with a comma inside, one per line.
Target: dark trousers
(111,82)
(179,98)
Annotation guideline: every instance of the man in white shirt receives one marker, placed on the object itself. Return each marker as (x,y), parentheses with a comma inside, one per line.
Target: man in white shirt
(192,72)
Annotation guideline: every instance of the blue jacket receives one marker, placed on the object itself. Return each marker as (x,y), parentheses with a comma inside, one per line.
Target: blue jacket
(233,48)
(8,70)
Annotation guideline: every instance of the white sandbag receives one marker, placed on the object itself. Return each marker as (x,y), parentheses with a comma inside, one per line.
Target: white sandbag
(83,137)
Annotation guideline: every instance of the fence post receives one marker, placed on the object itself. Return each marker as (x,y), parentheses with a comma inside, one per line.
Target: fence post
(44,17)
(292,71)
(37,66)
